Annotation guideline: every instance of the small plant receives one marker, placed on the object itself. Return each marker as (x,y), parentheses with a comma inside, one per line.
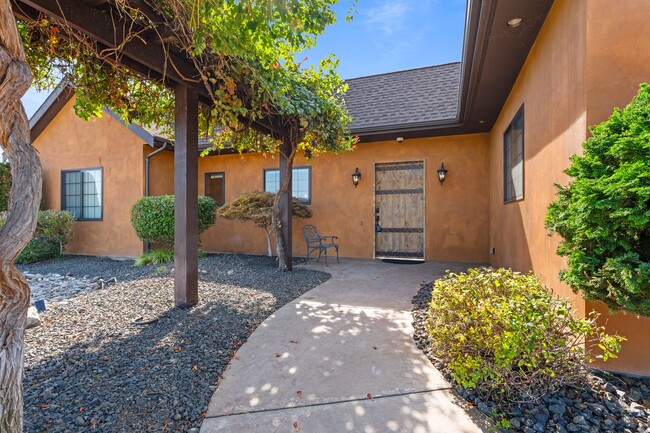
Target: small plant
(603,215)
(155,257)
(257,207)
(153,218)
(507,336)
(5,185)
(53,232)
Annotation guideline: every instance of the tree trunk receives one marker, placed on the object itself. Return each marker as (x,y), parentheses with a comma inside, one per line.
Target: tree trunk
(289,152)
(25,197)
(268,241)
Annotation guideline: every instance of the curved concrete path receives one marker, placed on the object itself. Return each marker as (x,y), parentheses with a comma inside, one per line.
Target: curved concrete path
(312,365)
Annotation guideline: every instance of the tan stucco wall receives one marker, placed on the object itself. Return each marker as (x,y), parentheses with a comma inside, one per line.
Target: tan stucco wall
(586,60)
(551,88)
(70,143)
(161,167)
(456,216)
(618,60)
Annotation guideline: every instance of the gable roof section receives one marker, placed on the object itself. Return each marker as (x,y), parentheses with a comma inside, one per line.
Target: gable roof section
(60,96)
(49,109)
(410,98)
(493,55)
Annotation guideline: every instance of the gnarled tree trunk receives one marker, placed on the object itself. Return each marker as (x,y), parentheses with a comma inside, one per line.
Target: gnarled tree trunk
(289,152)
(15,79)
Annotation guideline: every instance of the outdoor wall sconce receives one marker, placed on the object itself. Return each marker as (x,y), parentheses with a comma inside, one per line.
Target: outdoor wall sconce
(356,176)
(442,173)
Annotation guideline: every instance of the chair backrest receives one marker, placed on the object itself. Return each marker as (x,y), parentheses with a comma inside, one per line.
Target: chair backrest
(311,234)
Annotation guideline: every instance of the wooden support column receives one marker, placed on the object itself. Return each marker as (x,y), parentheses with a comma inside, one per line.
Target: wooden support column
(286,167)
(186,197)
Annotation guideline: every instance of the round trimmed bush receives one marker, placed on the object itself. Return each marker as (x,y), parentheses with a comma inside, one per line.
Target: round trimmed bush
(153,218)
(603,215)
(507,336)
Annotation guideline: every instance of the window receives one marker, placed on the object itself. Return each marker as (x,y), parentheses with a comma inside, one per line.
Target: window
(513,159)
(215,187)
(81,193)
(300,182)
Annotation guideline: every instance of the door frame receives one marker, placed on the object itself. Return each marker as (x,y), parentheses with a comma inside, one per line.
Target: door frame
(424,203)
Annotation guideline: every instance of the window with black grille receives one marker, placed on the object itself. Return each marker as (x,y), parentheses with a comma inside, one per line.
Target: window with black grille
(81,193)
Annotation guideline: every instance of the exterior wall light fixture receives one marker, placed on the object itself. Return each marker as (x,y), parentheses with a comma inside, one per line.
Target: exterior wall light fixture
(515,22)
(356,176)
(442,173)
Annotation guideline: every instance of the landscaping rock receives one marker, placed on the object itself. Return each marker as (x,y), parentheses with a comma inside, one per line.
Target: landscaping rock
(88,357)
(33,318)
(605,402)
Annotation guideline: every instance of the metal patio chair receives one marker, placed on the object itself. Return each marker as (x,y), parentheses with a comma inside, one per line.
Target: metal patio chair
(316,242)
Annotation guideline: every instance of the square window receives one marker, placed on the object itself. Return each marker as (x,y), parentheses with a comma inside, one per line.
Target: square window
(300,182)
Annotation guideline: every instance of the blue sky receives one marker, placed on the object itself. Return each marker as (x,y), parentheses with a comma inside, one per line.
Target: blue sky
(384,36)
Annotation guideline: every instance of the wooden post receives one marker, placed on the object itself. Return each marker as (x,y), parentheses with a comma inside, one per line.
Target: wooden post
(285,203)
(186,197)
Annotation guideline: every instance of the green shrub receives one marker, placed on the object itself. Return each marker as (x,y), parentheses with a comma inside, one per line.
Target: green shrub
(507,336)
(38,250)
(5,185)
(155,257)
(603,215)
(53,232)
(153,218)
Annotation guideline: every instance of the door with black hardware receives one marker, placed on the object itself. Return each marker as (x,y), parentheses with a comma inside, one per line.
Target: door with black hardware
(399,210)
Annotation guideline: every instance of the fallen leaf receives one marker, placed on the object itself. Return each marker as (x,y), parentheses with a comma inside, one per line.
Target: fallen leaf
(370,396)
(295,425)
(237,358)
(195,367)
(45,406)
(277,355)
(81,409)
(374,347)
(294,341)
(93,423)
(299,394)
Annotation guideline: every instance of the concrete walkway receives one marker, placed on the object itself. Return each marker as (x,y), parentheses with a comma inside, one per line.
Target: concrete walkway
(312,365)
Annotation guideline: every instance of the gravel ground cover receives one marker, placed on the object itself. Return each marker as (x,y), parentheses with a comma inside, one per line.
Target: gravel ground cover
(608,403)
(88,368)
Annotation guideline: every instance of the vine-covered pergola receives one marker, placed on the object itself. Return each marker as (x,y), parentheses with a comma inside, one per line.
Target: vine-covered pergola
(153,55)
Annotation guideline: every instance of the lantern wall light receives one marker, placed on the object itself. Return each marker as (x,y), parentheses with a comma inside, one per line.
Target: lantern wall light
(442,173)
(356,176)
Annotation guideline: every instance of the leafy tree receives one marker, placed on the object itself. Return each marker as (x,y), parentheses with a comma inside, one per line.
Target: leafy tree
(245,55)
(603,215)
(258,207)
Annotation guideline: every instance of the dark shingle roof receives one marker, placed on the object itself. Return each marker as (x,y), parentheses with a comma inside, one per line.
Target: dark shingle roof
(411,97)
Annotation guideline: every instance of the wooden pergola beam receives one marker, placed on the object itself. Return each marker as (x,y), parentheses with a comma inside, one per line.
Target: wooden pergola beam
(186,196)
(109,29)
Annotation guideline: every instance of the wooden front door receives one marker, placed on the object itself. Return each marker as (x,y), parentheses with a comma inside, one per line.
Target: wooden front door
(399,210)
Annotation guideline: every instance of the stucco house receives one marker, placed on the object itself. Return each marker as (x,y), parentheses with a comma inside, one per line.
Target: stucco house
(504,121)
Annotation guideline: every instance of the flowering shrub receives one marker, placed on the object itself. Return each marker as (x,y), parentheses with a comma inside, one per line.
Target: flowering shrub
(507,336)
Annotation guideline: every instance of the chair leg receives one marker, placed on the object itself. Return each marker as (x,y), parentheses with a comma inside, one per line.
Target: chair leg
(337,254)
(320,252)
(326,257)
